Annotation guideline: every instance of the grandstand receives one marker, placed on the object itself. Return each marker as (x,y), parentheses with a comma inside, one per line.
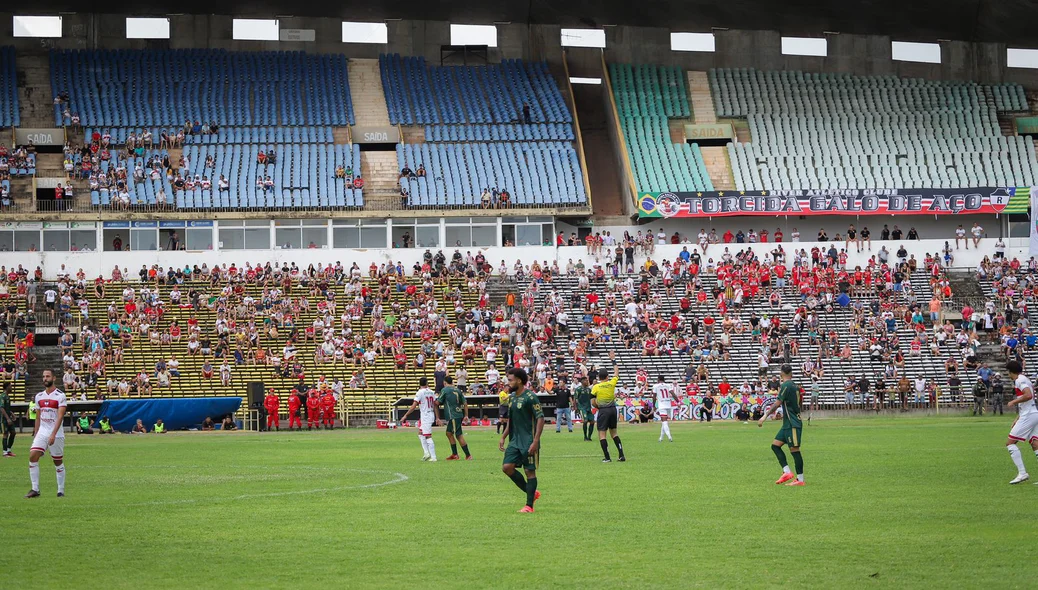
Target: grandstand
(314,152)
(821,131)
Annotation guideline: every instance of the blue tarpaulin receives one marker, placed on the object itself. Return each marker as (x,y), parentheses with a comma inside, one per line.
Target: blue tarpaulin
(176,413)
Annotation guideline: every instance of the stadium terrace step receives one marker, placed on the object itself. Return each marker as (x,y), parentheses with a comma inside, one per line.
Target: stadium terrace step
(341,135)
(34,91)
(369,98)
(718,167)
(701,98)
(380,170)
(412,134)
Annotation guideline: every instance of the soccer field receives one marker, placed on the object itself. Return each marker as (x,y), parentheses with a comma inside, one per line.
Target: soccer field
(905,501)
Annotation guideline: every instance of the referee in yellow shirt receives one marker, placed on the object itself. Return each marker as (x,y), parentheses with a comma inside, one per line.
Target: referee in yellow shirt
(603,397)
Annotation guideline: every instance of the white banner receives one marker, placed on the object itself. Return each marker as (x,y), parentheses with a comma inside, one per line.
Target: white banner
(1034,222)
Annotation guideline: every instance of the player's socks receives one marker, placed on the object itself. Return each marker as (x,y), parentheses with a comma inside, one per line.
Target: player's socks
(34,476)
(464,449)
(1014,453)
(781,455)
(432,448)
(519,480)
(454,449)
(531,491)
(60,471)
(798,462)
(619,447)
(425,447)
(605,448)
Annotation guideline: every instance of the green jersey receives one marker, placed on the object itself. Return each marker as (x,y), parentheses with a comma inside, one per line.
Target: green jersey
(5,403)
(583,396)
(523,412)
(789,397)
(452,401)
(84,422)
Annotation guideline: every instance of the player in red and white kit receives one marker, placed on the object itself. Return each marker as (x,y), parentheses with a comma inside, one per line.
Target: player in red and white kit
(47,435)
(313,410)
(665,400)
(272,403)
(294,403)
(1025,428)
(425,399)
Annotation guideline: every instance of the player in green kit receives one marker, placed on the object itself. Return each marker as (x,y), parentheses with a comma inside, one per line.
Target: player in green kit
(454,410)
(791,433)
(582,395)
(7,421)
(523,434)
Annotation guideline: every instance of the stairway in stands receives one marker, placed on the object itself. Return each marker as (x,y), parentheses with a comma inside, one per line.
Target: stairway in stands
(703,112)
(369,99)
(48,356)
(35,98)
(381,173)
(702,101)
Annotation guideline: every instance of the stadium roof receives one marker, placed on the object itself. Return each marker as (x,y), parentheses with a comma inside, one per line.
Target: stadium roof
(1006,21)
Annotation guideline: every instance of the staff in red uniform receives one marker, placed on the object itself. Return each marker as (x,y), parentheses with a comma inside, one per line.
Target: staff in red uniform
(328,410)
(273,405)
(293,410)
(313,409)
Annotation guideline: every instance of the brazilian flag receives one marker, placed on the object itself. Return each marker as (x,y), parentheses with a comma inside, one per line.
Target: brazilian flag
(647,206)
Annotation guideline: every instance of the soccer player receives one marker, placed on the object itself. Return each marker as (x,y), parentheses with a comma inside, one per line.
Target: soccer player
(429,410)
(47,435)
(454,410)
(7,421)
(273,405)
(664,394)
(1025,427)
(582,395)
(603,397)
(294,403)
(790,434)
(525,423)
(313,410)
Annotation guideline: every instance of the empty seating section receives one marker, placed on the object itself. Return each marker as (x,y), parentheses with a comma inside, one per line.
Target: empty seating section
(647,97)
(9,115)
(303,176)
(125,88)
(829,131)
(539,173)
(547,132)
(422,94)
(265,135)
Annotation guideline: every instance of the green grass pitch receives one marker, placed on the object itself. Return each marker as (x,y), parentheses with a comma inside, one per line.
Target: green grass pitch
(896,502)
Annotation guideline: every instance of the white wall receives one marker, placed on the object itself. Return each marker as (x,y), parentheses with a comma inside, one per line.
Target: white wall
(102,263)
(928,226)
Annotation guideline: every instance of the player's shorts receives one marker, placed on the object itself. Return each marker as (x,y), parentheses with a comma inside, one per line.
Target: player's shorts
(454,426)
(56,450)
(607,418)
(586,414)
(425,427)
(1025,429)
(791,435)
(665,411)
(502,412)
(517,456)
